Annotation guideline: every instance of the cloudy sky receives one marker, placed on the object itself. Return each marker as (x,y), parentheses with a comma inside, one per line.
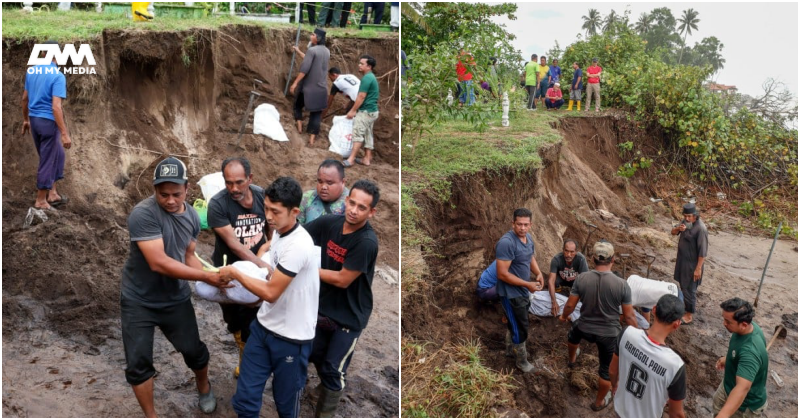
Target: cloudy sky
(760,39)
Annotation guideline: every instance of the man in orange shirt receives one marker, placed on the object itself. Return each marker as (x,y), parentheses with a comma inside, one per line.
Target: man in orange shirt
(465,78)
(593,86)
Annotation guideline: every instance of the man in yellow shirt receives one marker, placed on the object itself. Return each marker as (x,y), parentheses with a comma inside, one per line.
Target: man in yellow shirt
(543,82)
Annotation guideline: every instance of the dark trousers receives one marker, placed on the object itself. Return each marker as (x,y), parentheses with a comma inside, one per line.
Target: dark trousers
(606,346)
(47,139)
(487,295)
(333,350)
(314,119)
(312,13)
(517,313)
(238,318)
(330,14)
(690,296)
(554,105)
(531,96)
(179,325)
(345,14)
(266,354)
(377,12)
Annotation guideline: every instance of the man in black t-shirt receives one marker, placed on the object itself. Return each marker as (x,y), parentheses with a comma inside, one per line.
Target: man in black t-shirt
(237,216)
(564,268)
(349,251)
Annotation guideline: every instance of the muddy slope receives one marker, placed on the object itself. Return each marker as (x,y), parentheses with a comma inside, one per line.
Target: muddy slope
(158,94)
(576,186)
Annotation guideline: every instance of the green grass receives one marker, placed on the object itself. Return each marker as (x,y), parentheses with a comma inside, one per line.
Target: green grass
(451,382)
(456,148)
(78,25)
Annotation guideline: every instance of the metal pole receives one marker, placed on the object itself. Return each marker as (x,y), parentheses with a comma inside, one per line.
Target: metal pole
(296,43)
(763,273)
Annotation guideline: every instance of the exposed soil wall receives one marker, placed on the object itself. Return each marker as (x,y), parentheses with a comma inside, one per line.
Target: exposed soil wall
(166,93)
(576,185)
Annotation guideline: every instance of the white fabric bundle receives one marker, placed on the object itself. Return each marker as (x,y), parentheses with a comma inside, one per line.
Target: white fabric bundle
(541,305)
(267,121)
(237,293)
(645,293)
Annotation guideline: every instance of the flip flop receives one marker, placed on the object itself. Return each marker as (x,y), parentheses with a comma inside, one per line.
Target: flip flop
(64,200)
(360,162)
(687,323)
(606,402)
(346,163)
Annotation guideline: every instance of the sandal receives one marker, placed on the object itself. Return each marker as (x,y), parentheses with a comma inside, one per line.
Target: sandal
(346,163)
(606,402)
(360,162)
(60,202)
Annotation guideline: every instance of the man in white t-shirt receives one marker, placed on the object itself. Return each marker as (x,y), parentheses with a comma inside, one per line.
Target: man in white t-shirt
(281,336)
(652,374)
(347,84)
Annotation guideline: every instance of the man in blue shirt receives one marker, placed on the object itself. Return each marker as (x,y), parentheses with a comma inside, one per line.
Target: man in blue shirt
(515,253)
(576,87)
(43,115)
(555,72)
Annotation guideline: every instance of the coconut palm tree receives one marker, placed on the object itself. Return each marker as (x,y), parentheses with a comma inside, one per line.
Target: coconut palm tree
(610,21)
(409,11)
(592,22)
(644,24)
(688,22)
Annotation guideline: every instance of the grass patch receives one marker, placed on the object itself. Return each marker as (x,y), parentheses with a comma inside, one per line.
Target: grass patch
(450,382)
(78,25)
(455,149)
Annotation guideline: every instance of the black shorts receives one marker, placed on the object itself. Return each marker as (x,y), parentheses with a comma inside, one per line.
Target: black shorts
(179,325)
(606,346)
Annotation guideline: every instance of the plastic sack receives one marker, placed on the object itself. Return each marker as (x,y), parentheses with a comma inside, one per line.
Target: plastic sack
(341,136)
(34,213)
(201,207)
(645,293)
(237,293)
(267,121)
(540,305)
(211,184)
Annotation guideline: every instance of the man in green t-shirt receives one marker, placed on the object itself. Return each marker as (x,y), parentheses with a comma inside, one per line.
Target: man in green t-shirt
(364,113)
(532,80)
(743,391)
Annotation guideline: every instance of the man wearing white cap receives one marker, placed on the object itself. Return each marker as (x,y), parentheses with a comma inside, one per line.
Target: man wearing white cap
(601,293)
(554,99)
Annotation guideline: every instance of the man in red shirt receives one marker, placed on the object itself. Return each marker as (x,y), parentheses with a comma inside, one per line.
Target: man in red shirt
(467,94)
(554,98)
(593,87)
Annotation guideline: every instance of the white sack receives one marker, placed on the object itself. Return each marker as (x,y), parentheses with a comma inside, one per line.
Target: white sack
(267,121)
(341,136)
(237,293)
(645,293)
(211,184)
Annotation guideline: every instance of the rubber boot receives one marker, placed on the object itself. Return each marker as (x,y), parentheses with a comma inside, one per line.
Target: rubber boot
(327,402)
(579,105)
(237,336)
(569,108)
(509,348)
(521,356)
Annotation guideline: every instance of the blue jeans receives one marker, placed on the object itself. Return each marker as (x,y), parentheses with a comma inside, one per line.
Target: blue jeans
(467,95)
(558,104)
(266,354)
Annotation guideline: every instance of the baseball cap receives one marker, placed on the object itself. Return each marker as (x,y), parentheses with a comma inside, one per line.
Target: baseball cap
(594,60)
(170,170)
(603,250)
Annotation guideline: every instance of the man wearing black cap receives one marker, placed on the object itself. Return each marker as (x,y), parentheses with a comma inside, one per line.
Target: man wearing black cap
(312,81)
(601,294)
(692,251)
(154,292)
(43,115)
